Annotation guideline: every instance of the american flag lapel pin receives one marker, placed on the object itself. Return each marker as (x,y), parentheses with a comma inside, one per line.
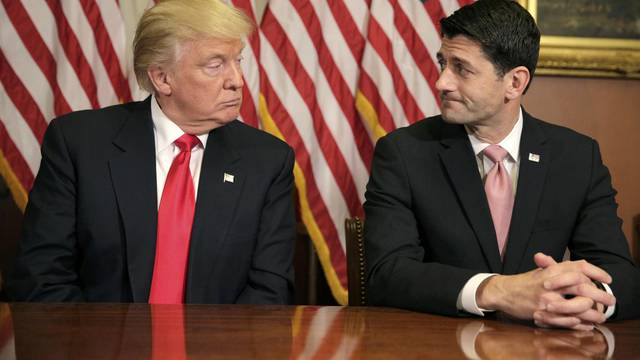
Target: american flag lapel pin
(534,157)
(227,178)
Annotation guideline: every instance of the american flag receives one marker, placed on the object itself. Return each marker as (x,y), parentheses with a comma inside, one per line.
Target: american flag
(329,77)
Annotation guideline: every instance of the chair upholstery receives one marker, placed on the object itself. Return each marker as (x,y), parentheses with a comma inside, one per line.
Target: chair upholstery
(354,230)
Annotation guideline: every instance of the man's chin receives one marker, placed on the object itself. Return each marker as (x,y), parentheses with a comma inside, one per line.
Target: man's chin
(201,127)
(453,118)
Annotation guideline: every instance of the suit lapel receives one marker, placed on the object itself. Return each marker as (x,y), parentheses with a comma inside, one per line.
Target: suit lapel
(531,180)
(217,198)
(459,161)
(133,174)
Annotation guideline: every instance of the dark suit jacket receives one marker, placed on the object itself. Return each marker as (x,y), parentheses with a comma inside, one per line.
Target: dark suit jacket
(90,225)
(428,226)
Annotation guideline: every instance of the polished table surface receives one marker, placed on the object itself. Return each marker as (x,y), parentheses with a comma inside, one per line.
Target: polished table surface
(140,331)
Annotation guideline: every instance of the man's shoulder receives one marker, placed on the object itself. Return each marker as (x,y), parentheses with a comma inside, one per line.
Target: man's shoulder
(427,129)
(559,133)
(248,138)
(97,119)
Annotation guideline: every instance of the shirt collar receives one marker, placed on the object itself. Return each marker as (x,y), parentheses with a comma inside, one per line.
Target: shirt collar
(511,142)
(166,130)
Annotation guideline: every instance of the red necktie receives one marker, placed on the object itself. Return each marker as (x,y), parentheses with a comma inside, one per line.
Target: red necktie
(175,217)
(499,192)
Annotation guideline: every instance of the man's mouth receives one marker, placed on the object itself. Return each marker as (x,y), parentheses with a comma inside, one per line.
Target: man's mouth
(234,102)
(450,99)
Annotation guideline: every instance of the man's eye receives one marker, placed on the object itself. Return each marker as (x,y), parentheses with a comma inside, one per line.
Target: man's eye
(213,68)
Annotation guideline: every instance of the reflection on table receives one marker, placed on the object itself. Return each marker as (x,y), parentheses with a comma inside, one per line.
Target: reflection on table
(140,331)
(483,341)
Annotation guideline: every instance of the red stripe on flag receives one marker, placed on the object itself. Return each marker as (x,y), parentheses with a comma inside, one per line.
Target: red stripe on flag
(36,46)
(357,42)
(254,38)
(465,2)
(316,204)
(76,58)
(435,11)
(338,85)
(22,99)
(288,55)
(106,50)
(15,159)
(381,43)
(370,91)
(248,109)
(417,49)
(349,29)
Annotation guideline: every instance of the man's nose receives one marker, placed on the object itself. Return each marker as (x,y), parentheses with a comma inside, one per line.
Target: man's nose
(234,78)
(445,81)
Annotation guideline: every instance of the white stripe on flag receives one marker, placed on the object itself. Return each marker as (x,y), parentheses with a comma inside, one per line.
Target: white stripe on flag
(19,132)
(66,77)
(84,32)
(292,101)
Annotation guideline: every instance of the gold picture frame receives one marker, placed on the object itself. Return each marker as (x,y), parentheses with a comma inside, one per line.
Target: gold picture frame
(585,55)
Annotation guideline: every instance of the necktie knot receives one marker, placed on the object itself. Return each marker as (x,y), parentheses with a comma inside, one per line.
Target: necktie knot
(187,142)
(495,152)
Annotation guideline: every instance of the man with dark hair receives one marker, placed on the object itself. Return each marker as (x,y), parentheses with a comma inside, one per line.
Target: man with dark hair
(471,211)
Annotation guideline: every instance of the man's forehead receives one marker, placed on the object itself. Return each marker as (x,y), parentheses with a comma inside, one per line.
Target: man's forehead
(460,44)
(221,47)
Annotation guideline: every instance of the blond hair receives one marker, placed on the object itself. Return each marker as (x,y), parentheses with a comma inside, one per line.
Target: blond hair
(170,23)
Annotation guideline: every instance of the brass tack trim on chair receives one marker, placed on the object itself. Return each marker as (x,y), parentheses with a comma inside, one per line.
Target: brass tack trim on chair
(360,238)
(356,265)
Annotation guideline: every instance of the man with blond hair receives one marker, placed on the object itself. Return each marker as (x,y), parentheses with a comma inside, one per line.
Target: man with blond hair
(168,200)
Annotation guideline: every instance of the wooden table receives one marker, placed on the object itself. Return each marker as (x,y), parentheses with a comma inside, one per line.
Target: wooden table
(140,331)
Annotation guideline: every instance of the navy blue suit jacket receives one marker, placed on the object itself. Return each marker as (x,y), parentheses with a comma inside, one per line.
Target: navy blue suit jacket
(428,226)
(90,224)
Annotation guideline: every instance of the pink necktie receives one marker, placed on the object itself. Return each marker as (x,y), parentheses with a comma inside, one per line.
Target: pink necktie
(175,217)
(499,191)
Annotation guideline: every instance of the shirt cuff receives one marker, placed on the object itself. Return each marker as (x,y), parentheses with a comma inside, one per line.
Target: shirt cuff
(610,309)
(467,296)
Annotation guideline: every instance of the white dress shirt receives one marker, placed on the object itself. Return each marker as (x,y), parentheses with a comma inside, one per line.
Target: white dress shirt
(511,143)
(166,132)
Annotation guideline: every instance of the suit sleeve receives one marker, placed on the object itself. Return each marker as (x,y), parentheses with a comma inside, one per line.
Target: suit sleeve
(271,274)
(598,238)
(45,269)
(396,272)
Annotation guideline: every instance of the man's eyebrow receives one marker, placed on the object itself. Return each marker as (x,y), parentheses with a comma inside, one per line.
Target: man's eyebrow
(223,56)
(462,61)
(215,57)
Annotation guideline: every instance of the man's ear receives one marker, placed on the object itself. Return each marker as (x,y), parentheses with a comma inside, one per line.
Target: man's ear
(517,80)
(159,77)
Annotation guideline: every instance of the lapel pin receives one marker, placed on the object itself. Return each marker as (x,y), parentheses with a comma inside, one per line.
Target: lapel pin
(228,178)
(534,157)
